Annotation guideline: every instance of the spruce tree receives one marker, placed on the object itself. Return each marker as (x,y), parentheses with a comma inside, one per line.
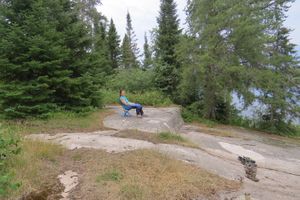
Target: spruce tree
(132,37)
(43,59)
(128,58)
(168,33)
(147,54)
(130,52)
(101,54)
(113,40)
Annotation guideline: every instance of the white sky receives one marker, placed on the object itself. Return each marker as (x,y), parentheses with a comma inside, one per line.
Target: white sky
(145,12)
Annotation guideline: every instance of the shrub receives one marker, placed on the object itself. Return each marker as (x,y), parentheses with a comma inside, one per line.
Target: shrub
(8,148)
(135,80)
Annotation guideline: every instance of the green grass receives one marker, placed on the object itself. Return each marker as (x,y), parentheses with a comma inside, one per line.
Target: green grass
(58,123)
(190,117)
(111,175)
(171,137)
(34,167)
(151,98)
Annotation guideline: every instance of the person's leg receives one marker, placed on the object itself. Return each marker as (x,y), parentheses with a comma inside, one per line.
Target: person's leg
(126,110)
(142,112)
(138,108)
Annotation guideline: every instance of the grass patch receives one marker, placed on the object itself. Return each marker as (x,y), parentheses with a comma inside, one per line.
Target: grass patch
(190,117)
(77,157)
(35,167)
(132,191)
(145,175)
(60,123)
(171,137)
(165,138)
(150,98)
(111,175)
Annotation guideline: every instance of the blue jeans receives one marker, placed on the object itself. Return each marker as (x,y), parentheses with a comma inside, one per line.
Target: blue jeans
(138,107)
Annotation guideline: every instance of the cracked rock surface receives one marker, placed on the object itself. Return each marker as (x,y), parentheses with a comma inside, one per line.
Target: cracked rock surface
(278,162)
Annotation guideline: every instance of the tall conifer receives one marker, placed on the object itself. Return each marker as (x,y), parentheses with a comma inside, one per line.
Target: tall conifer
(168,34)
(147,54)
(43,59)
(130,51)
(113,40)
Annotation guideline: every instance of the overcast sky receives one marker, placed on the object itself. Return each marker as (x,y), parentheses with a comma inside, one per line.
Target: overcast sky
(144,13)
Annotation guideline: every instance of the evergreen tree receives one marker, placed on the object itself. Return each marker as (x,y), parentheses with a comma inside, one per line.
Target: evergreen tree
(88,12)
(248,54)
(43,59)
(228,50)
(132,37)
(128,58)
(130,52)
(101,53)
(113,40)
(278,86)
(147,54)
(168,33)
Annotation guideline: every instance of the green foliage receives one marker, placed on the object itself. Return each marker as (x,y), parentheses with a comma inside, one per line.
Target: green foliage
(218,63)
(225,53)
(168,33)
(130,51)
(278,86)
(167,38)
(43,59)
(147,55)
(135,80)
(149,98)
(131,36)
(9,147)
(189,116)
(166,78)
(113,40)
(128,57)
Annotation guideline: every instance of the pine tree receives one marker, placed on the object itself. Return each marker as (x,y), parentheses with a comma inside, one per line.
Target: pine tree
(113,40)
(168,33)
(147,54)
(43,59)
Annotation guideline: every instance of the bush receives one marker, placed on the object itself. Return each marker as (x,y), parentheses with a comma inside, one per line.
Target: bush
(151,98)
(190,117)
(8,148)
(135,80)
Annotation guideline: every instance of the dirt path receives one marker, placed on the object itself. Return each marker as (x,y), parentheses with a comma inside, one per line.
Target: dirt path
(278,164)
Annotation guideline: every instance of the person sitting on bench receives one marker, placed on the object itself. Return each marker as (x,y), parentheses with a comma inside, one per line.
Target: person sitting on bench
(127,105)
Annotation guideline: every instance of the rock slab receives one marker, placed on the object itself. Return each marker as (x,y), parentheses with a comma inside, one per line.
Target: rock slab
(154,121)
